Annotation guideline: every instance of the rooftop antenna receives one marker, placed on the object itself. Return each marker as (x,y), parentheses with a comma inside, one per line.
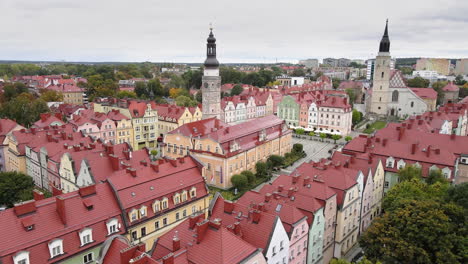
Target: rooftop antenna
(211,26)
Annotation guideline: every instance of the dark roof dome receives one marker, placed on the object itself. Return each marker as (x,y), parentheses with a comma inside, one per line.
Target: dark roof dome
(211,38)
(211,61)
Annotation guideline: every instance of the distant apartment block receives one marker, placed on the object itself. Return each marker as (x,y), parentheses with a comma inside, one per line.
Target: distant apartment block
(461,67)
(442,66)
(310,63)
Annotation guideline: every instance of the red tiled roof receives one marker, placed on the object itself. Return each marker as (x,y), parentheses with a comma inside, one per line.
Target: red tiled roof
(49,225)
(6,126)
(47,119)
(65,88)
(425,93)
(199,128)
(450,87)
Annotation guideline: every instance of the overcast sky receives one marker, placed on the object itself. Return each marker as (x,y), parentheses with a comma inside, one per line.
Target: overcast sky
(246,30)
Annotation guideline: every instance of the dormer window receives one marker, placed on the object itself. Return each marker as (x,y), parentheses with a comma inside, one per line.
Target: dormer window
(157,206)
(56,248)
(390,162)
(142,211)
(193,192)
(176,198)
(165,203)
(86,236)
(133,215)
(184,196)
(112,226)
(21,258)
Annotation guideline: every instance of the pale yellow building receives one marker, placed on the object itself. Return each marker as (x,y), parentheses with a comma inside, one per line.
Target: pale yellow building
(228,150)
(171,117)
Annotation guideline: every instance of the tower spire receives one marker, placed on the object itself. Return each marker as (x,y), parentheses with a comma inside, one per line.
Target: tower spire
(211,61)
(385,42)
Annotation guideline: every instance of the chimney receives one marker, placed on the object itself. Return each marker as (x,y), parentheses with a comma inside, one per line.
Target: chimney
(306,180)
(261,206)
(401,132)
(369,160)
(228,206)
(110,149)
(280,188)
(295,178)
(428,152)
(237,228)
(437,151)
(127,154)
(267,197)
(25,208)
(60,202)
(182,160)
(144,163)
(92,145)
(168,259)
(33,130)
(193,220)
(352,159)
(201,230)
(173,162)
(413,148)
(38,195)
(175,244)
(44,117)
(215,223)
(49,137)
(63,135)
(384,142)
(256,216)
(132,171)
(70,136)
(276,195)
(290,192)
(87,190)
(76,147)
(154,166)
(126,254)
(59,116)
(452,136)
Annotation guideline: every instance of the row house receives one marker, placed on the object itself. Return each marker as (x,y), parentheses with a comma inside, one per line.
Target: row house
(67,110)
(49,119)
(256,227)
(195,240)
(172,116)
(412,147)
(68,228)
(317,111)
(15,154)
(123,126)
(7,126)
(139,203)
(159,196)
(143,116)
(241,108)
(228,150)
(72,94)
(294,221)
(316,201)
(38,152)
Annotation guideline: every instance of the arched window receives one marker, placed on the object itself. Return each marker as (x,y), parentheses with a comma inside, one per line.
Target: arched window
(412,104)
(382,74)
(395,96)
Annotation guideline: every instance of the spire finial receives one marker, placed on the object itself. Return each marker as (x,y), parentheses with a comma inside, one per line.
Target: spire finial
(211,26)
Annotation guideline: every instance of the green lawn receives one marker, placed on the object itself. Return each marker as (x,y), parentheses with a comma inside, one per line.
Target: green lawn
(375,126)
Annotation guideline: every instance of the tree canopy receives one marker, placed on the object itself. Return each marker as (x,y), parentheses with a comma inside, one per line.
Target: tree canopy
(15,187)
(418,82)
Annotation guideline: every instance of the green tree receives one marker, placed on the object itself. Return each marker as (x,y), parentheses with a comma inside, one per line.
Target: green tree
(323,136)
(126,94)
(352,95)
(199,96)
(356,117)
(438,87)
(141,90)
(298,148)
(276,161)
(261,170)
(311,134)
(300,131)
(249,175)
(239,181)
(418,232)
(459,80)
(348,138)
(298,72)
(15,187)
(24,109)
(418,82)
(336,137)
(236,90)
(154,86)
(51,96)
(186,101)
(409,172)
(336,83)
(458,194)
(435,176)
(153,153)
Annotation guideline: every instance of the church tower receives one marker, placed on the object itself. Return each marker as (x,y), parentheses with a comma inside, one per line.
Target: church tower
(211,81)
(381,97)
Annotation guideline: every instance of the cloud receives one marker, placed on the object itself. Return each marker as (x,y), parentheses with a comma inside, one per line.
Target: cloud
(257,31)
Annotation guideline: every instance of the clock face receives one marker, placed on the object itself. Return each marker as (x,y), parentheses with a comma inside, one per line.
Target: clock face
(206,85)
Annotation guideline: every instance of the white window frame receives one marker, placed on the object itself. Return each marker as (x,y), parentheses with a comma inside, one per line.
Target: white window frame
(53,244)
(89,260)
(84,233)
(20,256)
(112,223)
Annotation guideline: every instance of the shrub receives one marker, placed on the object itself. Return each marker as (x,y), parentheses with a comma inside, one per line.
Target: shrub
(239,181)
(298,148)
(348,138)
(250,176)
(300,131)
(276,160)
(261,170)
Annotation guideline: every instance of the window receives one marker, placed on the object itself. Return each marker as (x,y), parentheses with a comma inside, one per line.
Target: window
(21,258)
(274,250)
(156,225)
(157,206)
(164,203)
(86,236)
(133,215)
(412,104)
(177,216)
(382,74)
(395,96)
(88,258)
(143,231)
(165,221)
(56,248)
(142,211)
(184,213)
(281,245)
(193,192)
(134,235)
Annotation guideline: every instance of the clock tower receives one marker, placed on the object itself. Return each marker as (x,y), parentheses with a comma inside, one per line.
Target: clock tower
(211,81)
